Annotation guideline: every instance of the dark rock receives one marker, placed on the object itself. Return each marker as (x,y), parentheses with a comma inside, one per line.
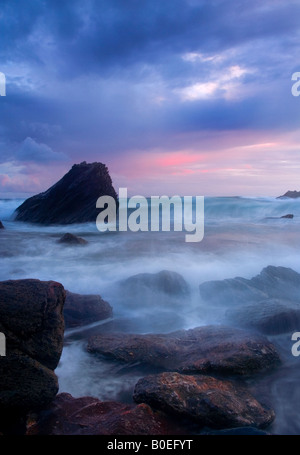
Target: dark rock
(1,225)
(166,281)
(85,309)
(72,199)
(278,282)
(31,317)
(289,215)
(242,431)
(270,316)
(290,194)
(275,282)
(209,401)
(89,416)
(71,239)
(203,350)
(231,290)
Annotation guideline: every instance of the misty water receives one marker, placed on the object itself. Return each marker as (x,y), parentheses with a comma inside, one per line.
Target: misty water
(242,236)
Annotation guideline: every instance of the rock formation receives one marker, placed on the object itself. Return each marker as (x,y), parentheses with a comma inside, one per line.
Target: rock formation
(31,318)
(72,199)
(209,349)
(90,416)
(290,194)
(71,239)
(85,309)
(208,401)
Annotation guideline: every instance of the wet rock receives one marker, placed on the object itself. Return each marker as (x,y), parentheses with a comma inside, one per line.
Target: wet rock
(290,194)
(203,350)
(72,199)
(289,215)
(90,416)
(275,282)
(164,290)
(1,225)
(71,239)
(209,401)
(272,316)
(31,317)
(166,281)
(85,309)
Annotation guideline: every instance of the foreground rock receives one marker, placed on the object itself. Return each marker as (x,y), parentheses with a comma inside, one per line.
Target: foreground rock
(290,194)
(89,416)
(1,225)
(202,350)
(31,317)
(85,309)
(272,316)
(208,401)
(272,282)
(72,199)
(71,239)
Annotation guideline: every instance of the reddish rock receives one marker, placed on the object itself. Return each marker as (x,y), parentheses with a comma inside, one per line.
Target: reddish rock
(85,309)
(31,317)
(89,416)
(203,350)
(208,401)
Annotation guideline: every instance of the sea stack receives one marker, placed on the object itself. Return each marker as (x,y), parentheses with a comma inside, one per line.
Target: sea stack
(290,194)
(72,199)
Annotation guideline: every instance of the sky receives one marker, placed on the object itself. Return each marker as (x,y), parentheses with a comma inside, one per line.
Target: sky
(189,97)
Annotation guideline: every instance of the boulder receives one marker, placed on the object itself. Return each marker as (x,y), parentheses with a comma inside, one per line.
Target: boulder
(204,399)
(1,225)
(89,416)
(85,309)
(290,194)
(166,281)
(71,239)
(31,318)
(271,316)
(275,282)
(164,290)
(206,349)
(72,199)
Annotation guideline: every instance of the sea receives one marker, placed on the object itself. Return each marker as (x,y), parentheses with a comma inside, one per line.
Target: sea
(242,235)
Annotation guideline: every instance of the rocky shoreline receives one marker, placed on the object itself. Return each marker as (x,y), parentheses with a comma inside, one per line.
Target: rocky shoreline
(197,379)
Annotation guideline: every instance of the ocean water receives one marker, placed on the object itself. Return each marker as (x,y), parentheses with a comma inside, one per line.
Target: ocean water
(241,236)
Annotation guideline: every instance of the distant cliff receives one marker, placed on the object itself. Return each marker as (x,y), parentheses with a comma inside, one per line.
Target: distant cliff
(72,199)
(290,194)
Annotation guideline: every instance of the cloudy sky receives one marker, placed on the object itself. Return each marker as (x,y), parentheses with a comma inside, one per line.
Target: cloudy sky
(189,97)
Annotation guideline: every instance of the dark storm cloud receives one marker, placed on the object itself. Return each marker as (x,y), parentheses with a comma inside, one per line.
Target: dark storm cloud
(90,78)
(95,34)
